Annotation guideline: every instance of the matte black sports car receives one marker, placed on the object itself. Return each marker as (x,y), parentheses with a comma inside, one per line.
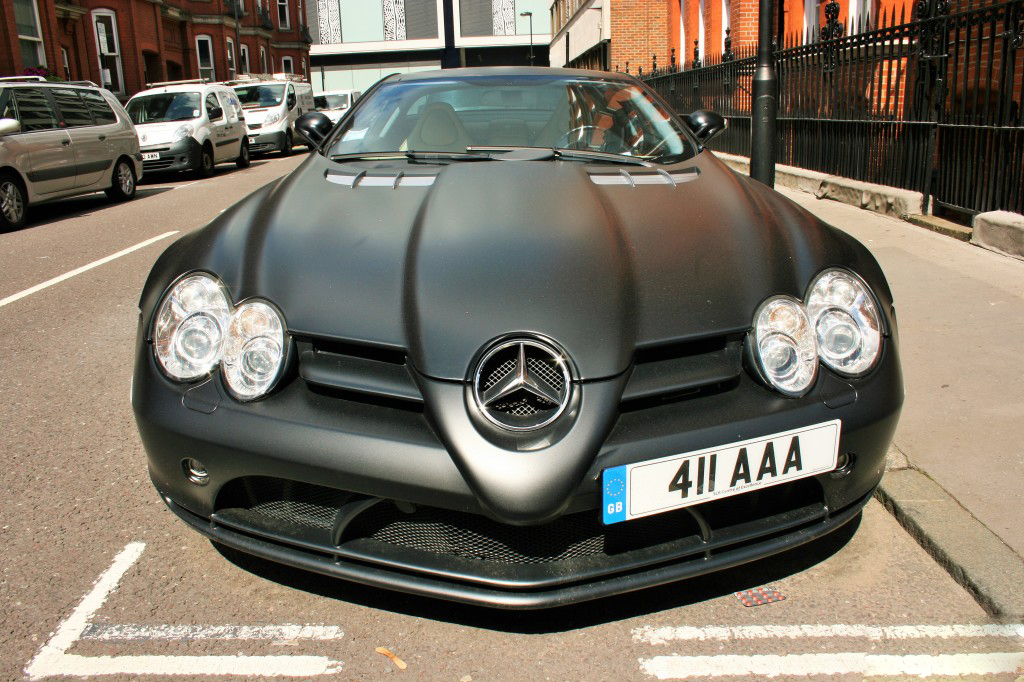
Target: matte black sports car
(513,337)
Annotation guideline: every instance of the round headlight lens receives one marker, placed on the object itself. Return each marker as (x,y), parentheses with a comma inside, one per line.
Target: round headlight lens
(785,345)
(190,324)
(182,132)
(254,350)
(846,322)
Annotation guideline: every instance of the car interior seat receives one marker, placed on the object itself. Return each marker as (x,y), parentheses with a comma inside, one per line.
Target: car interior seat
(438,130)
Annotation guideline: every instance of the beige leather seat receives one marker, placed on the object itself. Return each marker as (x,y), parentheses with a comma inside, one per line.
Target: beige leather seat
(438,130)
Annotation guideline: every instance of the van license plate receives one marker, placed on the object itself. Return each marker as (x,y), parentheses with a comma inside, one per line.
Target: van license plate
(150,156)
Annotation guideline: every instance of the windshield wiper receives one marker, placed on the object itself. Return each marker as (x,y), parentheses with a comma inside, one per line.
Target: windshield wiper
(415,156)
(544,153)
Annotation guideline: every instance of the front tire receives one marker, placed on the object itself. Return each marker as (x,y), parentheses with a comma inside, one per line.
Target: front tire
(205,167)
(243,159)
(286,149)
(13,204)
(124,182)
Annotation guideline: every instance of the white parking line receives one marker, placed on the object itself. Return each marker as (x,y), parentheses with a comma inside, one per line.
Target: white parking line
(663,635)
(53,659)
(84,268)
(868,665)
(276,633)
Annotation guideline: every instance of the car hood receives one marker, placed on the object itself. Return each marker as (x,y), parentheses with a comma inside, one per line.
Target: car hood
(158,133)
(442,260)
(256,116)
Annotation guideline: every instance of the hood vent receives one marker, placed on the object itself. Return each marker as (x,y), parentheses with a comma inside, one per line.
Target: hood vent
(654,177)
(389,180)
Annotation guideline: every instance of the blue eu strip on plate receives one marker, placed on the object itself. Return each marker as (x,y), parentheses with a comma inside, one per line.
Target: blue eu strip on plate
(613,495)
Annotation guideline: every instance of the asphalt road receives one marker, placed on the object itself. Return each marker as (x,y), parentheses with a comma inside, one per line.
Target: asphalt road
(99,578)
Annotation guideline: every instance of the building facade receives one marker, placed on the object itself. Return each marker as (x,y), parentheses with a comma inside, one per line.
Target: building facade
(124,44)
(357,42)
(629,35)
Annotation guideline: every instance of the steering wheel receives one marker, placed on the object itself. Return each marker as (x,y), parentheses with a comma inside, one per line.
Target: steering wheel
(566,137)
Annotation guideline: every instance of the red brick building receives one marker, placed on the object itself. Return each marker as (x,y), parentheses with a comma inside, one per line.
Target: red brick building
(124,44)
(629,34)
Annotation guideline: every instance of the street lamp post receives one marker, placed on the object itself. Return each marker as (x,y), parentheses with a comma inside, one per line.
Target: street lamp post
(529,15)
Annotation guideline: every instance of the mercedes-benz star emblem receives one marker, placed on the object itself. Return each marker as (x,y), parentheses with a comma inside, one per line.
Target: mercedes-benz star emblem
(522,384)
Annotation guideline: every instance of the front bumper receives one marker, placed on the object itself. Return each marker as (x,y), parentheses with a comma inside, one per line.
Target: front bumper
(261,142)
(182,155)
(362,483)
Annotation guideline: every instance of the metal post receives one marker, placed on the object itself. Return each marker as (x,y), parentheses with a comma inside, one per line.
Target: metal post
(765,105)
(529,15)
(237,49)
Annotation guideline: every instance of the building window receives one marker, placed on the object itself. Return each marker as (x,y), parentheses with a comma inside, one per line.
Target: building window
(282,16)
(30,39)
(204,49)
(263,60)
(65,63)
(109,50)
(231,58)
(287,65)
(305,76)
(243,51)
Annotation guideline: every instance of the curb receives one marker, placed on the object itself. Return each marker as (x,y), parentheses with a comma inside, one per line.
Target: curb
(972,554)
(999,231)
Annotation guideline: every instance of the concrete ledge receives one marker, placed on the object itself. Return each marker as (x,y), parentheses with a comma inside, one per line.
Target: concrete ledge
(941,225)
(970,552)
(878,198)
(1000,231)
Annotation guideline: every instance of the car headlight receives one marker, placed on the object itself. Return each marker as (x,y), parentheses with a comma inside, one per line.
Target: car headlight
(254,351)
(272,118)
(846,322)
(182,132)
(784,345)
(190,325)
(197,328)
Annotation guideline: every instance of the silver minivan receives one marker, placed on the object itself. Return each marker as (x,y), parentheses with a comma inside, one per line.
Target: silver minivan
(59,140)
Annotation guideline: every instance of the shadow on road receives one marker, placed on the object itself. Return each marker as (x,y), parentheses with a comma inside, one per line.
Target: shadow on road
(73,207)
(563,618)
(184,177)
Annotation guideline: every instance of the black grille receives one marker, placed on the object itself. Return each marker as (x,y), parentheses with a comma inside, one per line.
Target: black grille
(278,499)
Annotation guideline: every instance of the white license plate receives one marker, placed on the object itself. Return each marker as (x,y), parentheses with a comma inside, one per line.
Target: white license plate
(150,156)
(252,140)
(659,485)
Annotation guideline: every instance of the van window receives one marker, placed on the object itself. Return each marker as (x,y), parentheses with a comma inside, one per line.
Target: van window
(98,107)
(72,108)
(163,107)
(255,96)
(34,110)
(230,106)
(211,104)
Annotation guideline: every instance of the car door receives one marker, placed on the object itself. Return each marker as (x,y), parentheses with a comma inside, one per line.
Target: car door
(233,126)
(89,141)
(51,160)
(218,126)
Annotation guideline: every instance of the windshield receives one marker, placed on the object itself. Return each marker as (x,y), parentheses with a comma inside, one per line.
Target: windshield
(164,107)
(255,96)
(552,112)
(331,101)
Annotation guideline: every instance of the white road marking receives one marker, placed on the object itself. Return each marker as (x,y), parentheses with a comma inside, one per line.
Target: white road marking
(277,633)
(84,268)
(664,635)
(868,665)
(188,184)
(53,660)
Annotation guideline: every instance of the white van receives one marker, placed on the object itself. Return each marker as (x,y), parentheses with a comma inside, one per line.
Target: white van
(271,105)
(335,103)
(189,125)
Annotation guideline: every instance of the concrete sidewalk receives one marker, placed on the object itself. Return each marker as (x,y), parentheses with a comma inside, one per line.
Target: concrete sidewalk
(960,313)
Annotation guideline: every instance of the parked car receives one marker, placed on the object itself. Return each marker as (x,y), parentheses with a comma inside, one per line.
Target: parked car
(335,103)
(59,140)
(272,104)
(189,126)
(515,337)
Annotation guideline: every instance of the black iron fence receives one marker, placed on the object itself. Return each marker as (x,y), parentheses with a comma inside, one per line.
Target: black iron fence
(932,105)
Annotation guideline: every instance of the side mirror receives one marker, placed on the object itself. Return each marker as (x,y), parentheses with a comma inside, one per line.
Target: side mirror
(291,101)
(313,127)
(9,125)
(706,125)
(215,113)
